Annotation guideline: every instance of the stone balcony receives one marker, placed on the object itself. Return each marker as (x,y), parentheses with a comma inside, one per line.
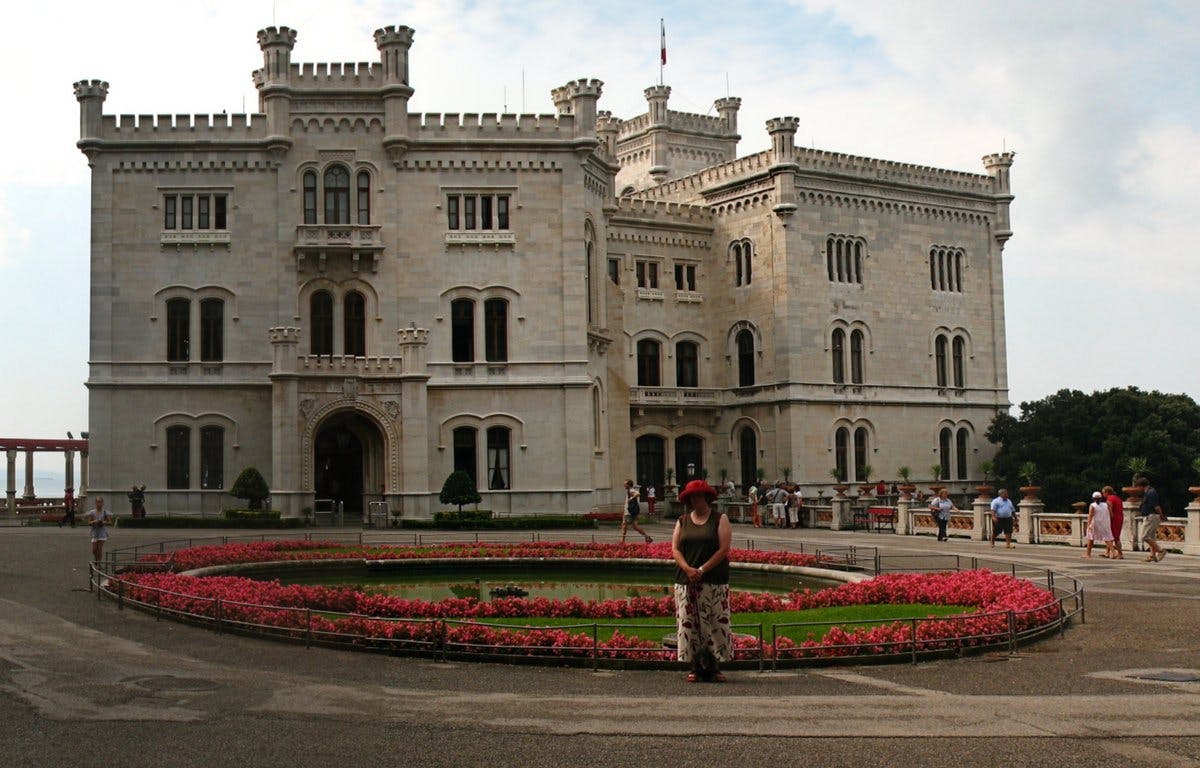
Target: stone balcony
(348,365)
(357,243)
(674,397)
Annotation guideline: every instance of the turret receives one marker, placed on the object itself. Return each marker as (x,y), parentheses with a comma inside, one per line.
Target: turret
(394,44)
(285,344)
(91,95)
(783,165)
(561,99)
(727,108)
(584,94)
(413,341)
(998,167)
(656,102)
(273,81)
(607,129)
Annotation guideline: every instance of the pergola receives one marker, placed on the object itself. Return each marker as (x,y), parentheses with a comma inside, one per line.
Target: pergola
(13,445)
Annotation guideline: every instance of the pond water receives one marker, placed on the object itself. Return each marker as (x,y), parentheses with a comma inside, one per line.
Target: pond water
(554,583)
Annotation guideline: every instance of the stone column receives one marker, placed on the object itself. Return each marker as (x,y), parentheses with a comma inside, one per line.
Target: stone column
(1191,533)
(1029,506)
(842,516)
(83,475)
(11,491)
(904,515)
(1129,530)
(413,482)
(29,494)
(288,494)
(981,508)
(69,458)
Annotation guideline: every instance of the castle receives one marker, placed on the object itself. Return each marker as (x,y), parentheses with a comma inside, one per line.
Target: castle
(358,300)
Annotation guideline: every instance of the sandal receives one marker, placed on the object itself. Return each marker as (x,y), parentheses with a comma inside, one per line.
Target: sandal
(649,540)
(1152,559)
(718,677)
(692,677)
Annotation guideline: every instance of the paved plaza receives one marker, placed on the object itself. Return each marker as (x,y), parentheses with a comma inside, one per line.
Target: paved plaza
(82,683)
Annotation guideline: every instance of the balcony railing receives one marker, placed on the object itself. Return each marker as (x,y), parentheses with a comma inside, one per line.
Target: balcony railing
(674,396)
(316,243)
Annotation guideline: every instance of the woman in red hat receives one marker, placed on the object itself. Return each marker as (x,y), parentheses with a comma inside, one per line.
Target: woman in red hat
(700,546)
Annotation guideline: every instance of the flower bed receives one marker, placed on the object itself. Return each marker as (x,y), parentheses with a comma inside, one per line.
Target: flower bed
(1002,604)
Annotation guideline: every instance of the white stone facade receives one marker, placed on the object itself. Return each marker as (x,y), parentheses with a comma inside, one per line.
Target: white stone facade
(289,290)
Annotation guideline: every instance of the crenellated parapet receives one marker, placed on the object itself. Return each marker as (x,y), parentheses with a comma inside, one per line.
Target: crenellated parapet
(472,126)
(91,95)
(183,128)
(872,169)
(663,210)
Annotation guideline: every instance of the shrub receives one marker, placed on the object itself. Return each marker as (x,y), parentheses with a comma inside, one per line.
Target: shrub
(208,522)
(459,489)
(250,486)
(462,516)
(249,514)
(516,523)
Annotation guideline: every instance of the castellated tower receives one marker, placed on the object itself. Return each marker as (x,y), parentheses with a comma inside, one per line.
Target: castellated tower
(394,44)
(273,80)
(998,167)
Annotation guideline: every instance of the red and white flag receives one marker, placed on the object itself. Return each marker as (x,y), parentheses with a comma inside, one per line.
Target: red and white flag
(663,40)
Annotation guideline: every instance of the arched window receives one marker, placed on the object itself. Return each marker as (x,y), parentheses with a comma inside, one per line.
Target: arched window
(748,448)
(961,446)
(959,366)
(829,260)
(648,370)
(179,320)
(464,453)
(320,312)
(462,331)
(310,197)
(860,455)
(364,198)
(933,270)
(838,353)
(841,452)
(747,252)
(944,438)
(179,457)
(939,353)
(355,324)
(498,439)
(689,457)
(495,330)
(745,350)
(597,443)
(856,357)
(736,251)
(958,281)
(337,195)
(687,364)
(858,259)
(212,321)
(651,458)
(588,247)
(212,457)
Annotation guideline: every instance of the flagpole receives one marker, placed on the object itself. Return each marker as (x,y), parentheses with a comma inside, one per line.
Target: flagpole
(662,39)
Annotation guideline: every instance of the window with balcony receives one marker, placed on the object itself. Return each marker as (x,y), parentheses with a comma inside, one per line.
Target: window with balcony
(687,364)
(648,368)
(310,197)
(320,312)
(479,211)
(685,277)
(195,211)
(647,273)
(363,201)
(354,324)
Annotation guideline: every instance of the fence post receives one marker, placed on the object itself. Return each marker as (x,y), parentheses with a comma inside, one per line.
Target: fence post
(219,628)
(595,648)
(308,634)
(442,639)
(761,648)
(1082,605)
(913,637)
(1012,633)
(158,605)
(121,594)
(775,645)
(1062,619)
(877,561)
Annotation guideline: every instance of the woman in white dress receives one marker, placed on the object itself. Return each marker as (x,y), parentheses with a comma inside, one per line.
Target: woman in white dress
(1099,526)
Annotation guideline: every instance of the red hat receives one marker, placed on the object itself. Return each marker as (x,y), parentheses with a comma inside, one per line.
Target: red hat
(697,486)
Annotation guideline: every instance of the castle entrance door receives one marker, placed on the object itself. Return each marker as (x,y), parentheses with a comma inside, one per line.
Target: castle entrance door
(348,461)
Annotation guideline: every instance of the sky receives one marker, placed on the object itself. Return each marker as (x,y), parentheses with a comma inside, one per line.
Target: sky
(1100,101)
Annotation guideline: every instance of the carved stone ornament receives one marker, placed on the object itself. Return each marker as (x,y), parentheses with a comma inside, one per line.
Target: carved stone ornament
(306,406)
(350,388)
(393,408)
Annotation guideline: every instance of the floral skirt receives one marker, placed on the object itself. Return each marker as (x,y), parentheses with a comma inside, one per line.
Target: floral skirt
(702,621)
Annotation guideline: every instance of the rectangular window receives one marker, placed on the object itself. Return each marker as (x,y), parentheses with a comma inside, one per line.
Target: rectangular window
(640,269)
(464,454)
(685,277)
(462,331)
(485,212)
(614,271)
(179,459)
(452,211)
(679,277)
(502,212)
(185,212)
(219,208)
(202,212)
(212,316)
(495,328)
(169,203)
(647,274)
(212,457)
(690,274)
(469,212)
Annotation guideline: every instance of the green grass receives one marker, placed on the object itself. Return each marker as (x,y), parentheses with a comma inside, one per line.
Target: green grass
(817,621)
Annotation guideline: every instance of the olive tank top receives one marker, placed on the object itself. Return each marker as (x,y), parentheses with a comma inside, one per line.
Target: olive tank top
(698,543)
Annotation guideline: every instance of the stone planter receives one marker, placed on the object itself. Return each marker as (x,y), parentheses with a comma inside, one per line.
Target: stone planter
(1030,492)
(906,490)
(1195,491)
(841,490)
(984,491)
(936,488)
(866,490)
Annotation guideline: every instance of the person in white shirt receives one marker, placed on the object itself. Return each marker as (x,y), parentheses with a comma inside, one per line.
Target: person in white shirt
(755,517)
(778,498)
(799,506)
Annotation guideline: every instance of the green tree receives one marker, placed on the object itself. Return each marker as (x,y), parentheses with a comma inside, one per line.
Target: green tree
(459,489)
(1082,442)
(250,486)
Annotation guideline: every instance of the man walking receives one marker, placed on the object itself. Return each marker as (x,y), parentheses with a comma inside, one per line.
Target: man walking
(1153,514)
(1002,518)
(778,498)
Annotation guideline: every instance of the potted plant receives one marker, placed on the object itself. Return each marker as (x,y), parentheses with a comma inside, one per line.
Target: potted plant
(787,474)
(1028,473)
(866,488)
(906,487)
(395,517)
(839,478)
(760,474)
(986,467)
(251,487)
(669,488)
(1195,489)
(458,490)
(937,485)
(1139,467)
